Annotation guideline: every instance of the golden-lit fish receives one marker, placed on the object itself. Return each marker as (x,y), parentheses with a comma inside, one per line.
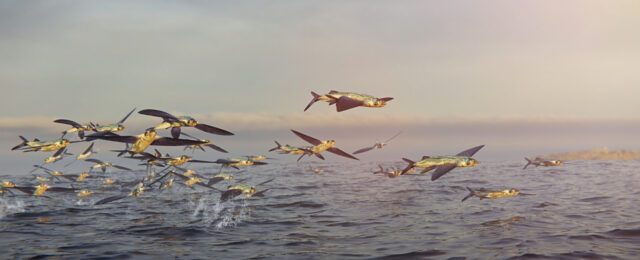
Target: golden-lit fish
(167,184)
(377,145)
(97,164)
(542,162)
(84,193)
(348,100)
(109,129)
(321,146)
(75,127)
(108,182)
(236,163)
(444,164)
(41,189)
(288,149)
(491,194)
(42,146)
(175,123)
(82,176)
(205,143)
(57,156)
(240,189)
(142,141)
(138,190)
(8,184)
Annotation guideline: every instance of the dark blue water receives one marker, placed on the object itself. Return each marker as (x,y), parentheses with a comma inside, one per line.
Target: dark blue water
(580,210)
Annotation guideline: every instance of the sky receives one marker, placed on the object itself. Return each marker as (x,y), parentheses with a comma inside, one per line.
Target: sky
(522,77)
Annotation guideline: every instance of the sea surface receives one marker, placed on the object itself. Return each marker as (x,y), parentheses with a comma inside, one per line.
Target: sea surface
(581,210)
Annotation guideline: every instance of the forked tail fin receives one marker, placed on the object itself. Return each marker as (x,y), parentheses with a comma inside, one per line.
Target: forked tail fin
(23,144)
(409,167)
(315,99)
(529,162)
(278,146)
(471,193)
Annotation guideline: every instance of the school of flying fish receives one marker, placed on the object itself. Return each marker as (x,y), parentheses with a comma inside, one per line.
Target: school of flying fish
(176,167)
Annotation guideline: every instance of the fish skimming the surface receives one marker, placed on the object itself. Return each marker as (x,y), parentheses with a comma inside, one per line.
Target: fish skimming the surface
(348,100)
(491,194)
(444,164)
(541,162)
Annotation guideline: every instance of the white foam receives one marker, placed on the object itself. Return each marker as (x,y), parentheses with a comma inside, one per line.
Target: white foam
(220,215)
(10,207)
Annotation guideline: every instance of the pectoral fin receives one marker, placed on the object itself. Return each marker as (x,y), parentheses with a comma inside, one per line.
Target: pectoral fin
(442,170)
(345,103)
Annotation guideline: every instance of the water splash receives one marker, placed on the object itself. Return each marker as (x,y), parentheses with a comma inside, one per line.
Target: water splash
(220,214)
(10,207)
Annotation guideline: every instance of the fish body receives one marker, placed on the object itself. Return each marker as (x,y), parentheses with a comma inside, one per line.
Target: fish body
(167,184)
(40,190)
(224,176)
(138,190)
(42,179)
(8,184)
(143,141)
(541,162)
(180,160)
(491,194)
(192,181)
(84,193)
(109,128)
(82,176)
(391,173)
(44,146)
(108,181)
(348,100)
(247,190)
(458,161)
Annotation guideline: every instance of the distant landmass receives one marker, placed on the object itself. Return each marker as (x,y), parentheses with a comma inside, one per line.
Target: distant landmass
(595,154)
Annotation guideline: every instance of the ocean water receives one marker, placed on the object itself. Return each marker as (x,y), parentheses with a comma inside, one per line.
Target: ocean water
(581,210)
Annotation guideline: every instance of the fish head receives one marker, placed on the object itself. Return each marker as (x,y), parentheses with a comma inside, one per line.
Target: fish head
(514,191)
(188,121)
(329,143)
(119,128)
(381,102)
(63,142)
(150,132)
(471,162)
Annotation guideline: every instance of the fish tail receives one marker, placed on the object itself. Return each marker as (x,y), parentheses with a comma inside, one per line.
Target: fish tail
(315,99)
(529,162)
(409,167)
(275,148)
(23,144)
(471,193)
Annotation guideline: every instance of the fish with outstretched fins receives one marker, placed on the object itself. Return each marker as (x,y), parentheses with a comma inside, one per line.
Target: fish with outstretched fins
(541,162)
(444,164)
(491,194)
(348,100)
(175,123)
(321,146)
